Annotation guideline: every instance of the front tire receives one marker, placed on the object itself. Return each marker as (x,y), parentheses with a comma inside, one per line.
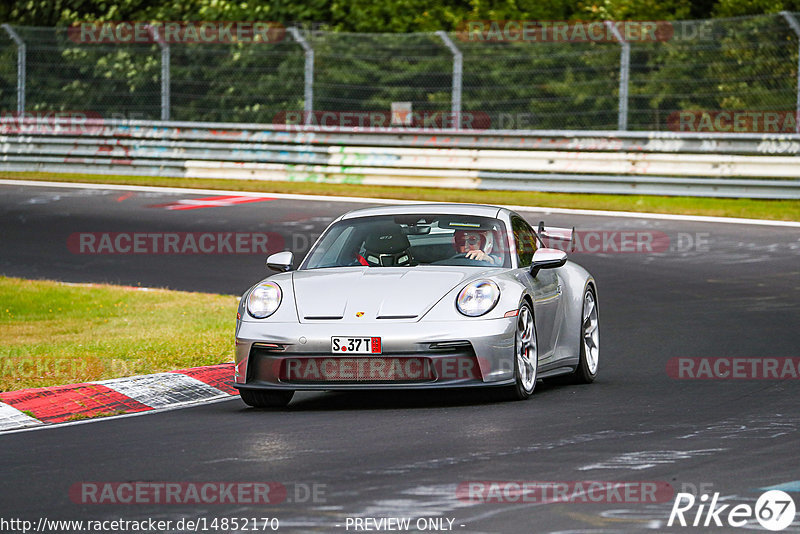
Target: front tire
(526,356)
(266,399)
(586,371)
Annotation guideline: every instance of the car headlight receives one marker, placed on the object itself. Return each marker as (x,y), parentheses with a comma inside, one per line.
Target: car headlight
(478,298)
(264,300)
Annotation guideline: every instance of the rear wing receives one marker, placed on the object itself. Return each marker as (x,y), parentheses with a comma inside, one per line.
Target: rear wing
(555,237)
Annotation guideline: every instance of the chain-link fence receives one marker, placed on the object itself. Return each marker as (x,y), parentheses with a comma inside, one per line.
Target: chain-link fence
(311,76)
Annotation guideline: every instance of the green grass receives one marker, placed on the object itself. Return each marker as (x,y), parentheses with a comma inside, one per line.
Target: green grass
(82,416)
(53,333)
(783,210)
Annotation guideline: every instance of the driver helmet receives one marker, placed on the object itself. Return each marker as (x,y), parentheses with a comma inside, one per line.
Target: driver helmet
(473,239)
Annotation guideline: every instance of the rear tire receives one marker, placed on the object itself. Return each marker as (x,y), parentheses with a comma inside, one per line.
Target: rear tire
(586,371)
(526,356)
(266,399)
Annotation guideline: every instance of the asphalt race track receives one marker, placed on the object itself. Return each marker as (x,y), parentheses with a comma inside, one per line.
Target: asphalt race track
(723,290)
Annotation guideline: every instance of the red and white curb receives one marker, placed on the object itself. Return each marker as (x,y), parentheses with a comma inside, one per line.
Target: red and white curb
(58,404)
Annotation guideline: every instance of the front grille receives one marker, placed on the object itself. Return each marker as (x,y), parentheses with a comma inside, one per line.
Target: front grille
(371,369)
(451,361)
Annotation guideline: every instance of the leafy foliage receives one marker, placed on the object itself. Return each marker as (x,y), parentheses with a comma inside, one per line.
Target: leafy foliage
(368,56)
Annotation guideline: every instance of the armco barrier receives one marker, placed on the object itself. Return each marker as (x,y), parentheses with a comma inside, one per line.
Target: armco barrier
(697,164)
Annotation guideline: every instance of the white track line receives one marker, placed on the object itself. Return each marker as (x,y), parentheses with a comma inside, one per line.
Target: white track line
(661,216)
(215,192)
(370,200)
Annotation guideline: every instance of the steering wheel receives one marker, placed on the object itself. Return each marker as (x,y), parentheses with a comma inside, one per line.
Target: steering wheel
(463,255)
(460,259)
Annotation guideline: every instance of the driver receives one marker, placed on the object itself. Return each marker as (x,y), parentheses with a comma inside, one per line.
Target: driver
(475,245)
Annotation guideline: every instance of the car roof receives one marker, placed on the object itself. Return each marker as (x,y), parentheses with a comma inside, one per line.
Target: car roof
(479,210)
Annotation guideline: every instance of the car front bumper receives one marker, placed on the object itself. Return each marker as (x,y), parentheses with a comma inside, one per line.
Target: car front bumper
(415,355)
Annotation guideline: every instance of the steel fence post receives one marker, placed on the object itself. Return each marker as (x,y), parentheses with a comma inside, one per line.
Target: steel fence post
(21,62)
(796,28)
(165,73)
(624,74)
(458,72)
(308,91)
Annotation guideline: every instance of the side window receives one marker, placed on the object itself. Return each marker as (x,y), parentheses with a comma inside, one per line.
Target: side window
(525,241)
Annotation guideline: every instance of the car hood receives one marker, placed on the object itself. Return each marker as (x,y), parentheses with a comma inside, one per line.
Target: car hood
(355,295)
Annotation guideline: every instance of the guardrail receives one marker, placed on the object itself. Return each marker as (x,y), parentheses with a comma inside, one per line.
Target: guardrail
(697,164)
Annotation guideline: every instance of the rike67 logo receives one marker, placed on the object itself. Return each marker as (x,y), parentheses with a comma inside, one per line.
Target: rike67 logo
(774,510)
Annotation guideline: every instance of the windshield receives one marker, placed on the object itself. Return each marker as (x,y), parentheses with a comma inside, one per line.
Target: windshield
(411,240)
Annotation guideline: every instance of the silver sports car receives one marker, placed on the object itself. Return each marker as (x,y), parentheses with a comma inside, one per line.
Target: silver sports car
(419,296)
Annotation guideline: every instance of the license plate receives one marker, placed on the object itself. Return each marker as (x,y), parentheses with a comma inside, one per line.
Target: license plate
(356,345)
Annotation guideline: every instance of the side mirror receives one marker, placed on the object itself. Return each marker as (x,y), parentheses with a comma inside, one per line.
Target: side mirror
(547,258)
(281,261)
